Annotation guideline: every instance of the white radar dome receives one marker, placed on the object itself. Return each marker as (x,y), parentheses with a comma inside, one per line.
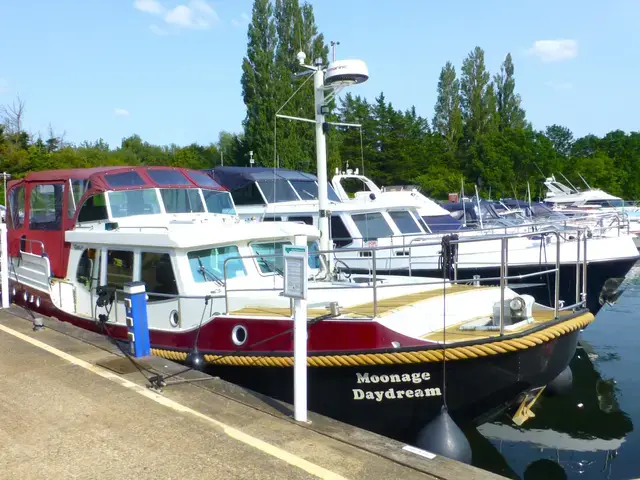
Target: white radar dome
(346,72)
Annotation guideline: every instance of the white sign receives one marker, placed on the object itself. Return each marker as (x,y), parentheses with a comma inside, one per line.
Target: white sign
(295,271)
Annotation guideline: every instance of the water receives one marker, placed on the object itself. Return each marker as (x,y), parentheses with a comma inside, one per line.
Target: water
(589,432)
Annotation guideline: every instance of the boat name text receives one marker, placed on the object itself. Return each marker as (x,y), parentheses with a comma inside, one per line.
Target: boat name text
(394,378)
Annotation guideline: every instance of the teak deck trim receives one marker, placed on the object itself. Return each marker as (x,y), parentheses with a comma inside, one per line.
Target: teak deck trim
(364,310)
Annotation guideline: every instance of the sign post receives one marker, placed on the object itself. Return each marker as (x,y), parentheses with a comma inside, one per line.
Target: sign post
(295,286)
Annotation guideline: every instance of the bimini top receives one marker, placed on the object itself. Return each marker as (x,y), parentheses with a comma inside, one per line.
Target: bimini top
(125,178)
(260,185)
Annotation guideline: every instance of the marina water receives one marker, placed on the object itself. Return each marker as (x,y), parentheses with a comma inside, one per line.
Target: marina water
(591,432)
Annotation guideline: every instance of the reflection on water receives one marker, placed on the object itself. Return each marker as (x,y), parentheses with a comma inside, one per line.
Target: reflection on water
(587,433)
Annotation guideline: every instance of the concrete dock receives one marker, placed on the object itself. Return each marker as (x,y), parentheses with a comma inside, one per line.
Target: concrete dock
(72,406)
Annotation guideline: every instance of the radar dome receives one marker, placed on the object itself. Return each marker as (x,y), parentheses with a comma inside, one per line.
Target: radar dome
(346,72)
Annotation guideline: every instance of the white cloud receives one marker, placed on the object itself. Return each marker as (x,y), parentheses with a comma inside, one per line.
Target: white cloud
(559,86)
(121,112)
(158,30)
(244,20)
(554,50)
(197,14)
(149,6)
(4,86)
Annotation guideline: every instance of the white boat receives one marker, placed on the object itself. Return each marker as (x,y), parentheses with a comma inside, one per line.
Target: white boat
(397,220)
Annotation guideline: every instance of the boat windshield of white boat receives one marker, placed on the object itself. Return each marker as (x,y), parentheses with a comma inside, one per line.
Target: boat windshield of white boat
(260,186)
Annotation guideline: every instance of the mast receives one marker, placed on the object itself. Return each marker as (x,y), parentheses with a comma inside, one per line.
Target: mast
(321,155)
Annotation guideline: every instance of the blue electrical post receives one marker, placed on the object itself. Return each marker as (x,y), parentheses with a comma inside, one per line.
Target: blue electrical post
(135,302)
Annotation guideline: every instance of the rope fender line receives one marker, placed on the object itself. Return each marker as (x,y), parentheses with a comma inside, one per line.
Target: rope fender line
(496,347)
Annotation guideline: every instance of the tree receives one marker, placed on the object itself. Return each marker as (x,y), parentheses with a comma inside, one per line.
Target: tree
(511,115)
(561,138)
(477,95)
(258,81)
(14,116)
(447,120)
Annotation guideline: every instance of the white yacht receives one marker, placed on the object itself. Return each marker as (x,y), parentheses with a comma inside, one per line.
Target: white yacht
(392,220)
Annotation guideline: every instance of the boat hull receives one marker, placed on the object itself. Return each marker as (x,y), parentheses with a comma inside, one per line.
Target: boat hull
(477,390)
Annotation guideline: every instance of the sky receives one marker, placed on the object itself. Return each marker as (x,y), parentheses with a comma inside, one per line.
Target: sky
(169,70)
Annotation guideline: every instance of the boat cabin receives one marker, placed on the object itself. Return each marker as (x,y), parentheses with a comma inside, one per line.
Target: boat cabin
(46,204)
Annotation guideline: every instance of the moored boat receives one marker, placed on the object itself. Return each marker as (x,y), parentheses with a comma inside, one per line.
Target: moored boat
(376,343)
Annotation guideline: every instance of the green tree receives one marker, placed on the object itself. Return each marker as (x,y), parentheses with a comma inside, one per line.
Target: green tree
(511,115)
(477,95)
(447,120)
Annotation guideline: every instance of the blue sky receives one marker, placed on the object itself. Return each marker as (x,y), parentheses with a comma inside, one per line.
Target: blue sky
(170,70)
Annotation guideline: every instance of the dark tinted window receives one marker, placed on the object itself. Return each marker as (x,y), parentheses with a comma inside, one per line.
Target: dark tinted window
(168,177)
(331,194)
(157,274)
(203,179)
(339,233)
(306,189)
(372,226)
(45,207)
(124,179)
(16,205)
(247,195)
(441,223)
(87,265)
(93,209)
(119,268)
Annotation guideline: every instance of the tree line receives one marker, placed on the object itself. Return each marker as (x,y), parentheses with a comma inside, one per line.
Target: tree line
(478,134)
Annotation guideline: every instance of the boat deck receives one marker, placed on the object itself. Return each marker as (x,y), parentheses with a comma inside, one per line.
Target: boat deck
(363,310)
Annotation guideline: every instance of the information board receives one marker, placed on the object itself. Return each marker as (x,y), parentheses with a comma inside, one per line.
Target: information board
(295,271)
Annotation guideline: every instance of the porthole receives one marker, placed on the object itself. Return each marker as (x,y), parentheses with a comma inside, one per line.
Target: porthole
(25,296)
(13,292)
(239,335)
(174,318)
(38,302)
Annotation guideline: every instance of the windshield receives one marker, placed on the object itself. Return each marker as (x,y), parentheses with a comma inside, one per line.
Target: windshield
(133,202)
(209,265)
(308,190)
(277,191)
(405,222)
(182,200)
(372,226)
(272,262)
(219,202)
(442,223)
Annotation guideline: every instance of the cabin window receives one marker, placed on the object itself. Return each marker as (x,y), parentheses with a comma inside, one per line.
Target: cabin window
(157,274)
(203,179)
(339,233)
(76,191)
(119,268)
(248,195)
(45,207)
(372,226)
(124,179)
(93,209)
(272,219)
(209,265)
(218,202)
(16,206)
(84,274)
(272,262)
(277,191)
(351,186)
(133,202)
(307,220)
(405,222)
(168,177)
(182,200)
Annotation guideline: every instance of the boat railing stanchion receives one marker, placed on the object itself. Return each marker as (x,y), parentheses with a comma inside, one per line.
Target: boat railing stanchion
(375,292)
(556,294)
(503,247)
(578,288)
(584,270)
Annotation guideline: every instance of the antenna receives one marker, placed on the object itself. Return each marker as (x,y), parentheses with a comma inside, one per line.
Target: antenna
(585,182)
(333,49)
(251,160)
(572,186)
